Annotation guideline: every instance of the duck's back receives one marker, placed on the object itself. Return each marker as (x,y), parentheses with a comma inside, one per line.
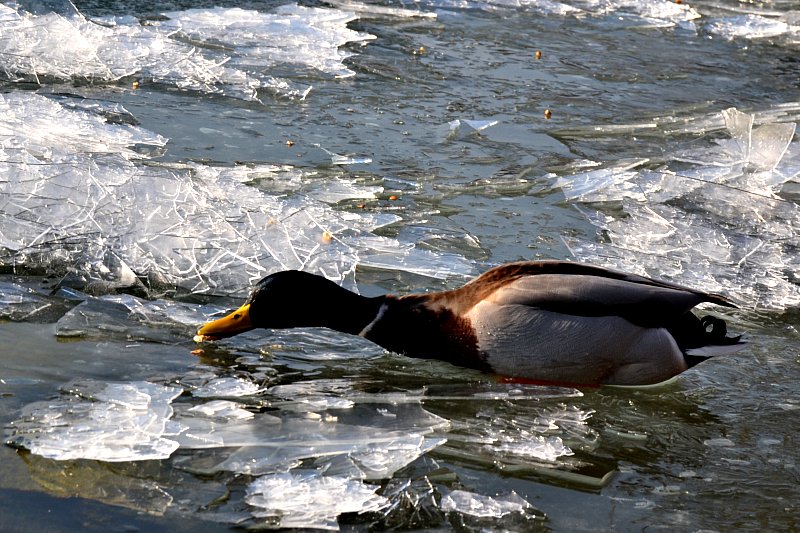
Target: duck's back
(553,321)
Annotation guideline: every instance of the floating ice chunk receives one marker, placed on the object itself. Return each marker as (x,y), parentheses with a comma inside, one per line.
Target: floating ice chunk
(343,189)
(196,228)
(383,11)
(478,505)
(229,53)
(750,26)
(31,124)
(461,128)
(101,421)
(224,409)
(536,447)
(227,387)
(19,303)
(309,500)
(131,318)
(768,145)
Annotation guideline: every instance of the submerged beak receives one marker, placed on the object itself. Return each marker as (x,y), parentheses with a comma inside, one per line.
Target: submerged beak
(227,326)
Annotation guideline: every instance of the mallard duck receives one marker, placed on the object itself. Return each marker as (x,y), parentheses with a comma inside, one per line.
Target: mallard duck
(550,321)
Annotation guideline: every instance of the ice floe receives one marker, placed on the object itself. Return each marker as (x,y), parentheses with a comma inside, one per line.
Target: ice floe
(306,461)
(94,420)
(753,26)
(473,504)
(229,51)
(76,199)
(310,500)
(709,216)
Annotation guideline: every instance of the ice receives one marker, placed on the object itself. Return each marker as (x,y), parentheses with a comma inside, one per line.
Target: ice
(647,13)
(227,51)
(460,128)
(606,184)
(130,317)
(224,409)
(710,217)
(308,500)
(478,505)
(102,421)
(78,200)
(367,10)
(227,387)
(750,26)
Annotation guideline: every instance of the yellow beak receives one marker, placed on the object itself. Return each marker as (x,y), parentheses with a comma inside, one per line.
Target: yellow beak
(227,326)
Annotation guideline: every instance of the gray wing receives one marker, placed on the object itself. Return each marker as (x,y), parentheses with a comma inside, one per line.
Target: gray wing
(588,295)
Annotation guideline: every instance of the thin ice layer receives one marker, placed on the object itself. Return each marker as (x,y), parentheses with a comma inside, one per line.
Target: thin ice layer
(311,500)
(648,13)
(108,219)
(479,505)
(711,217)
(228,51)
(101,421)
(751,26)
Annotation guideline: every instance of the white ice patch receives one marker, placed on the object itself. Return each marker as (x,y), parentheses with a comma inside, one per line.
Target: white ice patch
(478,505)
(642,13)
(308,500)
(227,51)
(711,217)
(751,26)
(105,422)
(227,387)
(75,195)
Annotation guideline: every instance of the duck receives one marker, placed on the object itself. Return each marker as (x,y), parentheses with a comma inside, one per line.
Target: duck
(558,322)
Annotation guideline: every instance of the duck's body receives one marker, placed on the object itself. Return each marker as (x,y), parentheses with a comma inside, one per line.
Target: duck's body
(545,320)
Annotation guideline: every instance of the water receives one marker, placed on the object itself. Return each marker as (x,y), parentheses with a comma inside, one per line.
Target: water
(157,159)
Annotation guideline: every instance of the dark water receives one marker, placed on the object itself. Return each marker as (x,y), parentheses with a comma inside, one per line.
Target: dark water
(715,450)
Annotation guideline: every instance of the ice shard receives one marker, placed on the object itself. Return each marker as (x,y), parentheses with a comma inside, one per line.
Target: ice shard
(103,421)
(310,500)
(711,217)
(76,200)
(227,51)
(478,505)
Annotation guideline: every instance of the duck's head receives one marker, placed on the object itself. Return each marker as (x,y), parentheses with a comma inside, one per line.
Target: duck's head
(285,299)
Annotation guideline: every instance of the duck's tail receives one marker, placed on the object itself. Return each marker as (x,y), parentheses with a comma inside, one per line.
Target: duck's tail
(701,338)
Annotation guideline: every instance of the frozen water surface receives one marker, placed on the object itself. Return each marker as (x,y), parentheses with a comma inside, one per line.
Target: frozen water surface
(310,500)
(101,421)
(150,180)
(227,51)
(470,503)
(715,211)
(107,219)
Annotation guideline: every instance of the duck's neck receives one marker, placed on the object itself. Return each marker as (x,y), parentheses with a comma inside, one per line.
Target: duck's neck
(348,312)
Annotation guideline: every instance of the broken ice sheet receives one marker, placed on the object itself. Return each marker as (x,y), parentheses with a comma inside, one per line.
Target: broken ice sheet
(750,26)
(478,505)
(191,227)
(219,50)
(101,421)
(227,387)
(128,317)
(461,128)
(309,500)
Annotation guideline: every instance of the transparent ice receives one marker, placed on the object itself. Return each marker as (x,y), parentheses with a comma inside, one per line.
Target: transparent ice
(647,13)
(710,217)
(227,387)
(227,51)
(751,26)
(308,500)
(103,421)
(76,198)
(474,504)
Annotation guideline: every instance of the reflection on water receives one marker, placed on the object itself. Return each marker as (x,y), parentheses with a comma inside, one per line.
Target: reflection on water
(165,161)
